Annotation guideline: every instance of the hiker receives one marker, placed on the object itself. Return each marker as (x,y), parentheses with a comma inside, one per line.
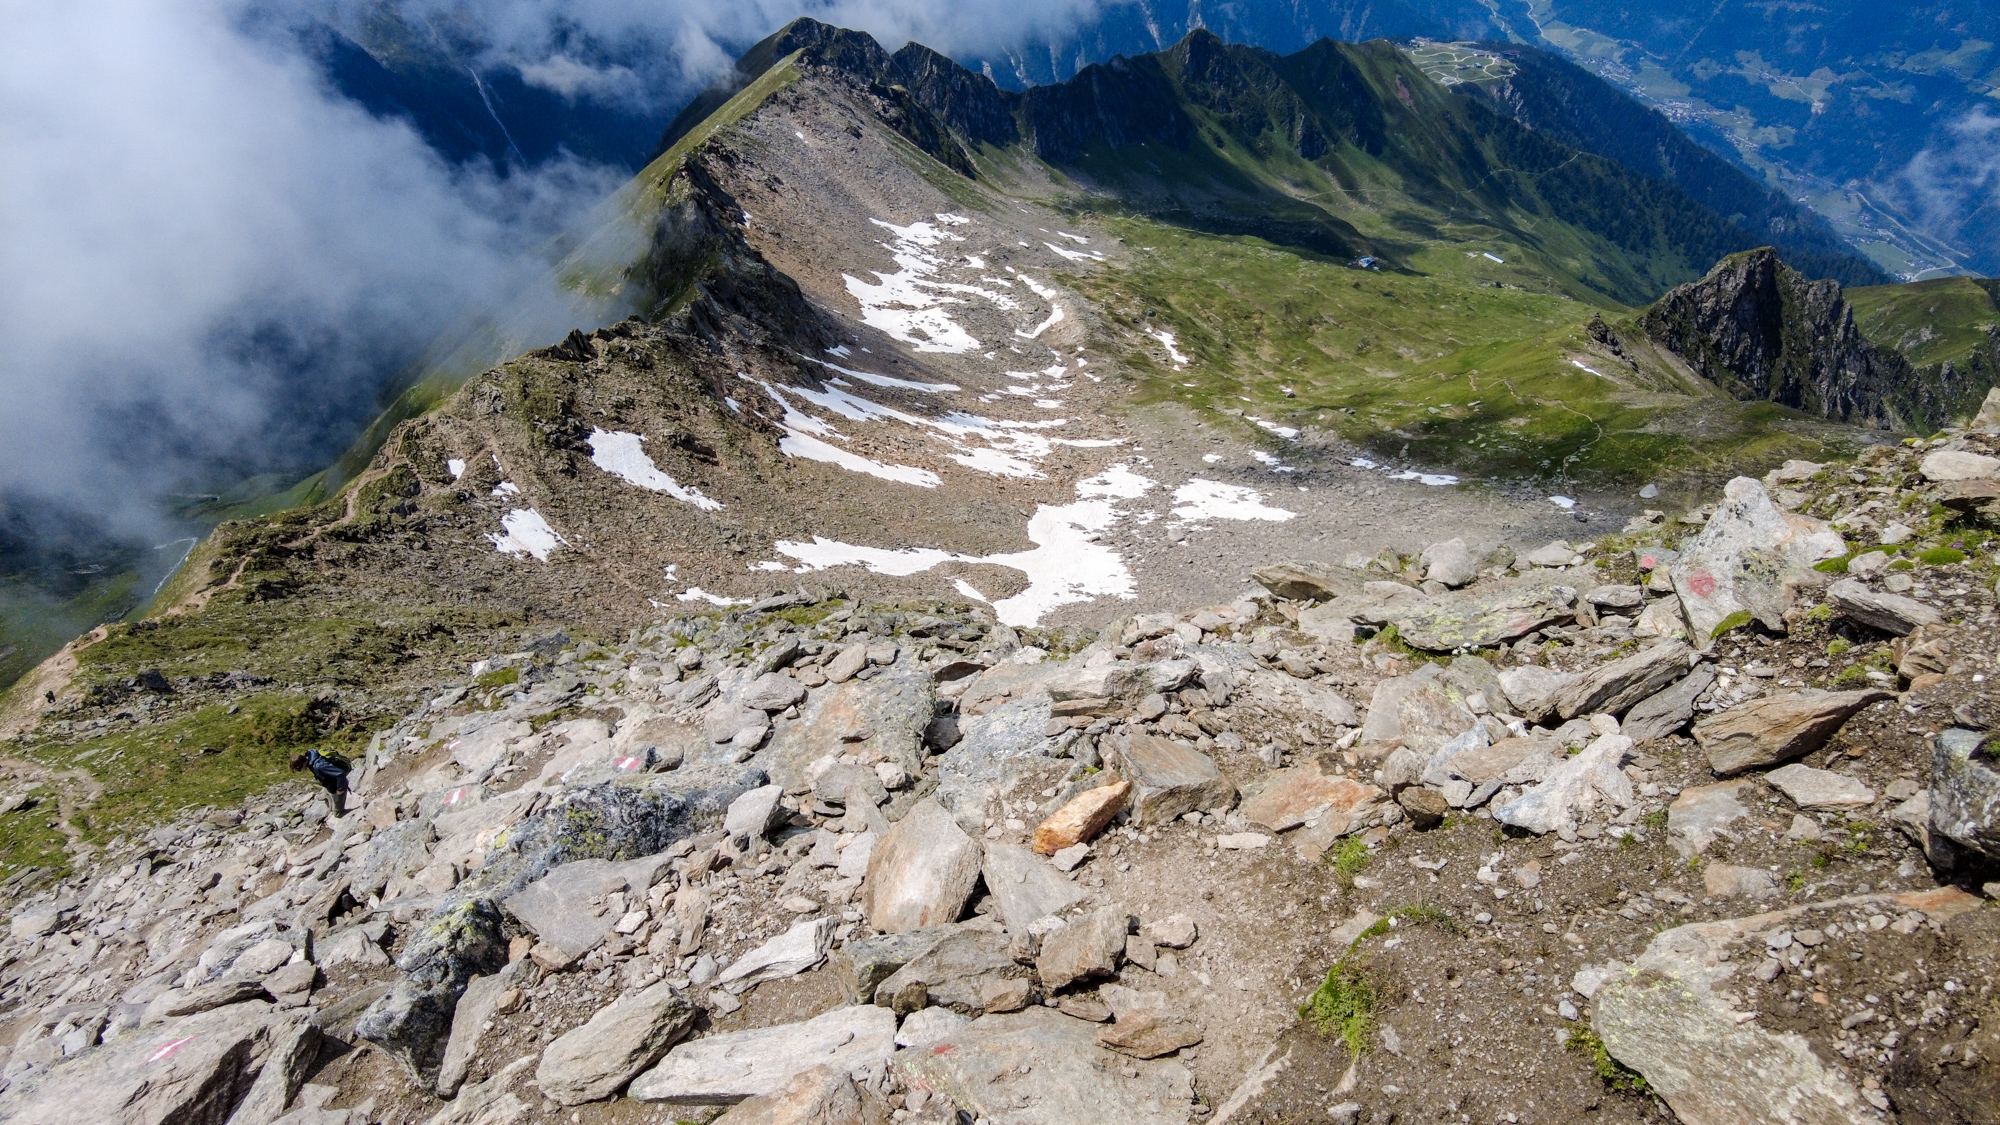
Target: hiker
(330,770)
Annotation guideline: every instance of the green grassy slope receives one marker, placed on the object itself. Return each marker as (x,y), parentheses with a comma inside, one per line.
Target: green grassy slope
(1930,322)
(1437,365)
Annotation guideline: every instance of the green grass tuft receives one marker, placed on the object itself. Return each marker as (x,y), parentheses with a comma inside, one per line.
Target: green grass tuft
(1615,1074)
(1344,1006)
(1734,621)
(1350,860)
(1941,556)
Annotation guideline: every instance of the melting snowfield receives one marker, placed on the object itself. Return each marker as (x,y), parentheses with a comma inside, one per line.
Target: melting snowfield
(525,532)
(621,455)
(1066,565)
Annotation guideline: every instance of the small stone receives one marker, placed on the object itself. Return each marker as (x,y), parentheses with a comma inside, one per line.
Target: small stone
(756,812)
(1804,828)
(1566,1010)
(1727,880)
(1070,858)
(1176,931)
(1425,807)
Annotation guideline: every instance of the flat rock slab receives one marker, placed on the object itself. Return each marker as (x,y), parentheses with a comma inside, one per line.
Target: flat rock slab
(724,1069)
(593,1061)
(1483,618)
(993,748)
(793,952)
(1308,581)
(1169,779)
(481,1000)
(1820,789)
(1672,1016)
(1532,690)
(1082,818)
(1382,724)
(189,1070)
(1613,688)
(1306,793)
(1749,558)
(824,1095)
(1025,885)
(1956,464)
(1890,613)
(1779,728)
(1729,880)
(1041,1067)
(1667,711)
(1700,812)
(921,872)
(556,908)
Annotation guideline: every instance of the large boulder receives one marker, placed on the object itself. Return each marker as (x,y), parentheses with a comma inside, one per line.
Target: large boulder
(728,1068)
(1750,557)
(1778,728)
(958,972)
(483,999)
(1485,617)
(1041,1067)
(922,872)
(592,1062)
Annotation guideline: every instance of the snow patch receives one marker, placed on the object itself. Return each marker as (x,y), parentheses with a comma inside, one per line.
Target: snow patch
(697,594)
(622,455)
(1286,432)
(1435,480)
(1055,318)
(525,532)
(1586,367)
(1076,255)
(1066,565)
(1206,499)
(1168,339)
(457,467)
(1564,502)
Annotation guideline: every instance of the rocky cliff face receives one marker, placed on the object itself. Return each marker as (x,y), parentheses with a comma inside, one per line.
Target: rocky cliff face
(1758,329)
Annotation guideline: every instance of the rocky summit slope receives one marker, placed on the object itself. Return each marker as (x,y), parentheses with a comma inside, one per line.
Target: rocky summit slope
(1760,330)
(1693,822)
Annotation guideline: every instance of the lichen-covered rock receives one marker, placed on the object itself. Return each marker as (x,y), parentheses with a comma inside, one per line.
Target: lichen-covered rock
(1486,616)
(1965,791)
(622,820)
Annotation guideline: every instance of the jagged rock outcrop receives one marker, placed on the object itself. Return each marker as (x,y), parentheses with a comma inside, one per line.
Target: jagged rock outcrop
(1759,329)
